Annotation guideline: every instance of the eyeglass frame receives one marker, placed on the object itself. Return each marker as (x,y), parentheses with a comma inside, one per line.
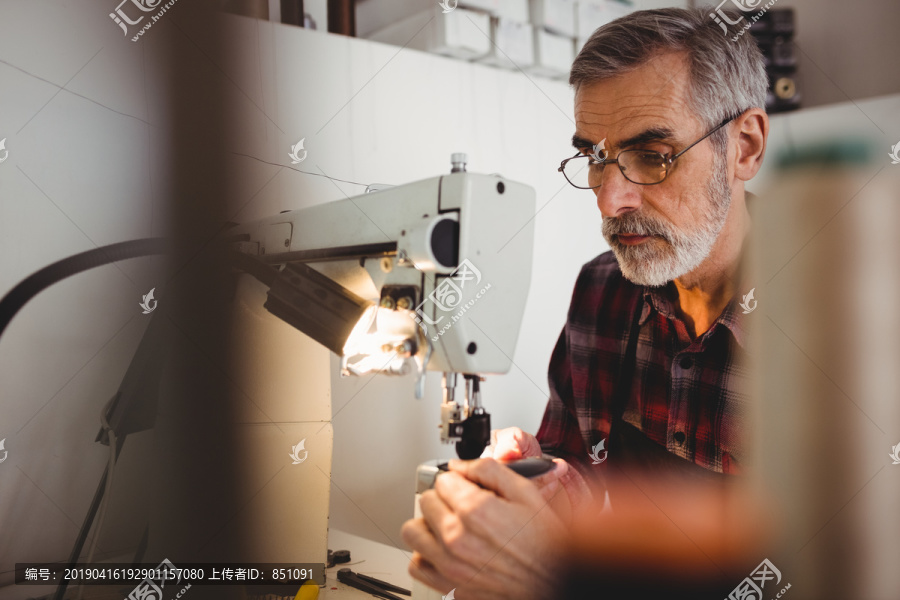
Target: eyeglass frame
(668,161)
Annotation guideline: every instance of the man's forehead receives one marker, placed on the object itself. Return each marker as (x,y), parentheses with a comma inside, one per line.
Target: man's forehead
(654,95)
(664,76)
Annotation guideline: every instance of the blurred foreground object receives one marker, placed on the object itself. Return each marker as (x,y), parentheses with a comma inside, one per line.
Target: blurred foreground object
(673,539)
(827,382)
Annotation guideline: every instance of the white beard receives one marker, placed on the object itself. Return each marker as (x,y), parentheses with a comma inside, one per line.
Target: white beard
(672,253)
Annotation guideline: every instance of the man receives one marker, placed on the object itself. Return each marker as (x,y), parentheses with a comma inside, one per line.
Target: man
(670,124)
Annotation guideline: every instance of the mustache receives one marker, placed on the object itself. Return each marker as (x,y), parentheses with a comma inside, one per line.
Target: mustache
(634,223)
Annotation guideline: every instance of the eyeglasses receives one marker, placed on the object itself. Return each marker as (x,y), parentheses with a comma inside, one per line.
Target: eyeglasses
(643,167)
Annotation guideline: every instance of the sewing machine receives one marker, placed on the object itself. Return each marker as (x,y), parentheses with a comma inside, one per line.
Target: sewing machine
(408,277)
(403,279)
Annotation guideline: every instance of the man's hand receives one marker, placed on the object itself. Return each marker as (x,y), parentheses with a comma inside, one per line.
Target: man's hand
(487,532)
(512,444)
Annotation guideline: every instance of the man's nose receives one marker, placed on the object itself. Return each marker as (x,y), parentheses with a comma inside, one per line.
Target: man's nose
(616,195)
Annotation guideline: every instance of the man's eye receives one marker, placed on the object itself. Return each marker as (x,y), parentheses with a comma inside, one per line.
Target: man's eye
(656,149)
(648,158)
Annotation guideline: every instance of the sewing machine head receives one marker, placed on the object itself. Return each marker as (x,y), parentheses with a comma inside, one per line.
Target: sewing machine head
(415,276)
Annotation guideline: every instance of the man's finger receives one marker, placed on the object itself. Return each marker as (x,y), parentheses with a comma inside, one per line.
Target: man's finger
(418,536)
(493,476)
(475,509)
(577,489)
(551,477)
(512,443)
(420,568)
(507,448)
(444,560)
(448,528)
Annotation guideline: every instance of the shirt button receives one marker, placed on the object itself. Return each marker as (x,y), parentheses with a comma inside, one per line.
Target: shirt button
(680,437)
(686,362)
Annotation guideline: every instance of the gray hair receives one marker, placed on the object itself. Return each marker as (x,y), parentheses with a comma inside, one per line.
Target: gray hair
(726,77)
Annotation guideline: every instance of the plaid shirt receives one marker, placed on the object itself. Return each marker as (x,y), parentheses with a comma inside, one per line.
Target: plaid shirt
(688,396)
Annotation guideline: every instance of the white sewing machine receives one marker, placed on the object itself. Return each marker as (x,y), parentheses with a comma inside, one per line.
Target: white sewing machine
(402,278)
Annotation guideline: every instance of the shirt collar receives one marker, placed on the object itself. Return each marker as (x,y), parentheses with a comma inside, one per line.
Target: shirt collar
(663,299)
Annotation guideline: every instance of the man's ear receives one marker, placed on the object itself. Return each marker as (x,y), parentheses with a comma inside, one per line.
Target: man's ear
(753,131)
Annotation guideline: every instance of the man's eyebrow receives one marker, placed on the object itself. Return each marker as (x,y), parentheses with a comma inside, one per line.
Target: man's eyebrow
(654,134)
(579,142)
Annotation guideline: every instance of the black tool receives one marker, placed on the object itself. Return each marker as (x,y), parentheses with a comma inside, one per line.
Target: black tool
(531,467)
(526,467)
(370,585)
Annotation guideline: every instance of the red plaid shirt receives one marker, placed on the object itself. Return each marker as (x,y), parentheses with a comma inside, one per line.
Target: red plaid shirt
(688,396)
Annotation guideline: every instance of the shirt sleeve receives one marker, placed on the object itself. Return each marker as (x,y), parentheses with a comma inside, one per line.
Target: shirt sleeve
(559,434)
